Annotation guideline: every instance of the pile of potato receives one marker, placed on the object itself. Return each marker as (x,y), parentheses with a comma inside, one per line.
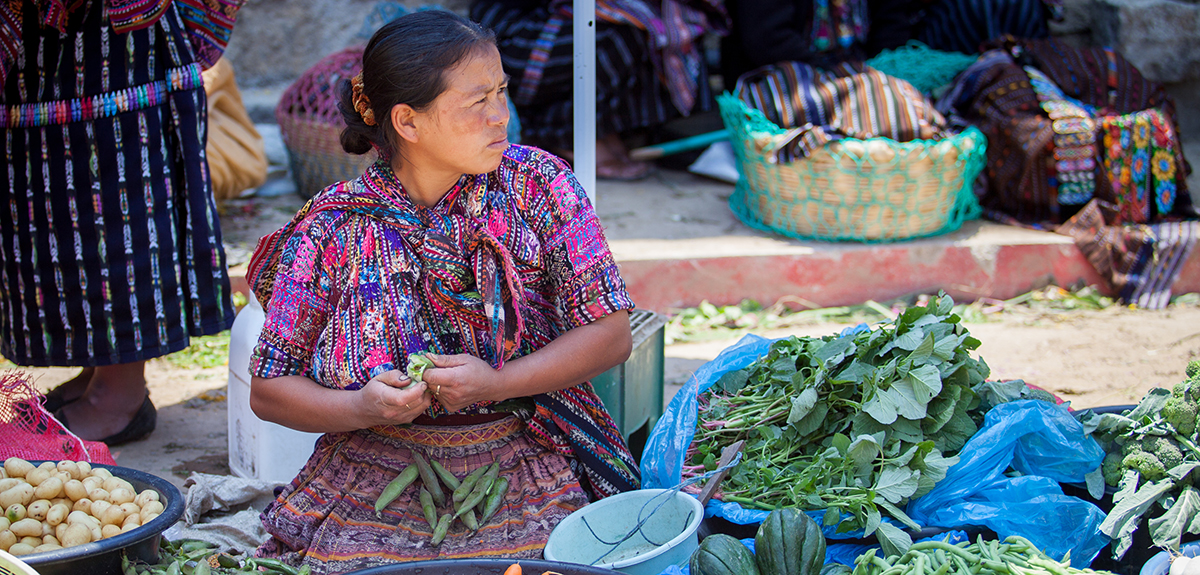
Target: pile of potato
(68,503)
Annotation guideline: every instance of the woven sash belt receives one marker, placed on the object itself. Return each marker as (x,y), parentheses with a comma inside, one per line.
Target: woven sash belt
(102,105)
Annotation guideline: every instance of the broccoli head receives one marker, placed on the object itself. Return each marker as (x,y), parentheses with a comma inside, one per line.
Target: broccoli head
(1130,447)
(1166,450)
(1193,368)
(1181,414)
(1113,469)
(1041,395)
(1146,464)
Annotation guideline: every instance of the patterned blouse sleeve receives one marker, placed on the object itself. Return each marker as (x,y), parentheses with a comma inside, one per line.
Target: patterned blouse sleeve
(301,300)
(575,251)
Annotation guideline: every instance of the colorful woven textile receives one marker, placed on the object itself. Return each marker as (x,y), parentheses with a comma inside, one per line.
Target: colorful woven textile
(997,95)
(649,63)
(209,23)
(112,243)
(849,101)
(1140,164)
(1121,136)
(326,518)
(506,262)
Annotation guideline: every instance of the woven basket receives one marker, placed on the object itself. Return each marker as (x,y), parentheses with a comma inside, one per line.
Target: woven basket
(311,124)
(872,190)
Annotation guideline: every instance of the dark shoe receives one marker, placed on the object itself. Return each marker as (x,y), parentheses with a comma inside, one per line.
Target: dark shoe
(140,426)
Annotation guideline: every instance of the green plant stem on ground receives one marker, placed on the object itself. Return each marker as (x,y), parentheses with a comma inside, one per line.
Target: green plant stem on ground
(708,321)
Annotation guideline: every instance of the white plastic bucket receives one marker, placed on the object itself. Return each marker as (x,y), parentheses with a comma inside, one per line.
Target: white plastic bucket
(668,536)
(258,449)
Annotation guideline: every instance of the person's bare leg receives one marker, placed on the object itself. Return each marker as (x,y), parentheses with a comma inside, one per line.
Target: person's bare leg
(613,161)
(112,398)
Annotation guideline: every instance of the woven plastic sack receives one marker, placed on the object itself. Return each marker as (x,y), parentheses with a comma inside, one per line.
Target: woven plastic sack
(311,125)
(874,190)
(29,432)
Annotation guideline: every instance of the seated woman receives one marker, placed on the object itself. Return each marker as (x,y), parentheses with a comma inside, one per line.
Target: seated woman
(649,69)
(486,255)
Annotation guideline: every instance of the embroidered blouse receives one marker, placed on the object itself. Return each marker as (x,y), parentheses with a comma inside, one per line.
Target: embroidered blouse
(502,265)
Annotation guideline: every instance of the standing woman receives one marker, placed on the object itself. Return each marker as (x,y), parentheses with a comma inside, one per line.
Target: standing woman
(486,255)
(110,249)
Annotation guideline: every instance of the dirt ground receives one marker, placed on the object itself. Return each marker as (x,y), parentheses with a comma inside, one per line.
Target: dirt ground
(1092,358)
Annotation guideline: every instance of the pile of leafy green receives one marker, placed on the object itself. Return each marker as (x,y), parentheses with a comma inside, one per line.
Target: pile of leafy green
(1154,461)
(856,425)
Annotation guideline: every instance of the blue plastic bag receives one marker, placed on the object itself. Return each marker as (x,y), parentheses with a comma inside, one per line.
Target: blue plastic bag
(666,447)
(1046,444)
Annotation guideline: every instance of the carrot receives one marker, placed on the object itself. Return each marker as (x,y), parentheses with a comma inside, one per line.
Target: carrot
(514,569)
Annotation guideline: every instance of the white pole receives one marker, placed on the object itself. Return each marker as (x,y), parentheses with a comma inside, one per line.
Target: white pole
(585,95)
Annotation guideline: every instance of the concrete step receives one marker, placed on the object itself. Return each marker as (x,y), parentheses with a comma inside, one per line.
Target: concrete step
(678,244)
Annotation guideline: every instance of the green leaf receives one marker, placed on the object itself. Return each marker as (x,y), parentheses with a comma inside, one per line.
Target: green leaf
(863,450)
(906,430)
(834,352)
(1167,529)
(923,352)
(881,407)
(911,340)
(955,434)
(1129,506)
(945,304)
(905,399)
(872,522)
(926,383)
(946,347)
(832,516)
(896,483)
(802,405)
(898,515)
(893,540)
(1151,403)
(941,409)
(1179,471)
(733,381)
(840,442)
(813,421)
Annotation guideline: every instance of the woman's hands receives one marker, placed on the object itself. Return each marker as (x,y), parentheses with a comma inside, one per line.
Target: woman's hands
(460,380)
(385,403)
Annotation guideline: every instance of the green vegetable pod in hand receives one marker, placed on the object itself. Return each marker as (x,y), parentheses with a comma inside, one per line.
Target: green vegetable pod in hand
(417,364)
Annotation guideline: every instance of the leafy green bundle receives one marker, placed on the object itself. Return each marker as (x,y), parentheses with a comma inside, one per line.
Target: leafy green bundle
(1154,460)
(855,425)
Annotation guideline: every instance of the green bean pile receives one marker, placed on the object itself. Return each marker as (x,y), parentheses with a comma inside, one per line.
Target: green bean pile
(1014,556)
(482,490)
(193,557)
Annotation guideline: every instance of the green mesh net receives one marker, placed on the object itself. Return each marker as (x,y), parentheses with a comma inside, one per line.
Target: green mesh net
(925,68)
(875,190)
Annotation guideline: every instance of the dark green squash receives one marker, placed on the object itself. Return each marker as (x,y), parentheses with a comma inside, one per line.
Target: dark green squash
(789,543)
(721,554)
(836,569)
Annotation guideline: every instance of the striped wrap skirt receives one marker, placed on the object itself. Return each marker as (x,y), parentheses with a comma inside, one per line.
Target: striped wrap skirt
(326,517)
(110,247)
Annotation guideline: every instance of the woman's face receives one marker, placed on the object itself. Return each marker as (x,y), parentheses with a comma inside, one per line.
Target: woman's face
(465,130)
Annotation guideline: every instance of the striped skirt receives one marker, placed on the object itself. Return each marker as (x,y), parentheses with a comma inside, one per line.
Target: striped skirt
(110,248)
(326,517)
